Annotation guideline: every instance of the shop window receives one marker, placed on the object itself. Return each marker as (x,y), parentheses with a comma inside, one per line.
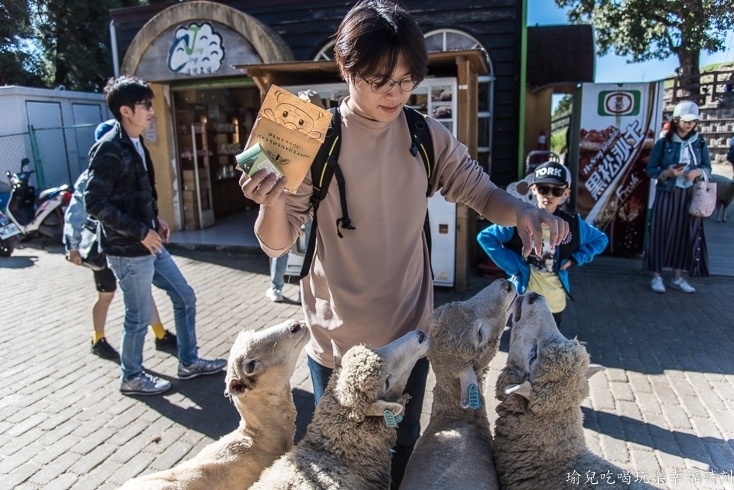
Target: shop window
(326,53)
(452,39)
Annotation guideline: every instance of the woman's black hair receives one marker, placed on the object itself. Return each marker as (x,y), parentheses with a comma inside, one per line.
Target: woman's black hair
(674,130)
(372,36)
(126,91)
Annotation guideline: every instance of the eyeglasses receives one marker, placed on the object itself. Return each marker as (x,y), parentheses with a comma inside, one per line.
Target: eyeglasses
(407,84)
(147,104)
(543,190)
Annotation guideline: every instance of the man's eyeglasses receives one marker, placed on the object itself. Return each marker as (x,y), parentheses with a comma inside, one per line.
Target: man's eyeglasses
(407,84)
(147,104)
(543,190)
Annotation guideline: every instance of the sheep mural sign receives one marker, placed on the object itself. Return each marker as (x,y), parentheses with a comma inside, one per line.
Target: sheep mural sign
(196,50)
(616,132)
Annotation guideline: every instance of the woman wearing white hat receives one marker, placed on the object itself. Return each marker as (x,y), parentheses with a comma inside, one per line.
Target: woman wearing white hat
(677,239)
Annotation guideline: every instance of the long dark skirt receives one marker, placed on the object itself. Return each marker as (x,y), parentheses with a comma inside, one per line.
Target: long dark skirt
(676,238)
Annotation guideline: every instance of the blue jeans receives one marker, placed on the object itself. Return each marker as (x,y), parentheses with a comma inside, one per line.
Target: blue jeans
(409,428)
(277,272)
(136,275)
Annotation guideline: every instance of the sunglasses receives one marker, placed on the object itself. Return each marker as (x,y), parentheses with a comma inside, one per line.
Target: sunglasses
(147,104)
(543,190)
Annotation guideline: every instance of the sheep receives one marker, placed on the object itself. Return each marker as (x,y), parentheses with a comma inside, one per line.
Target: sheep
(258,382)
(724,195)
(539,438)
(347,444)
(455,450)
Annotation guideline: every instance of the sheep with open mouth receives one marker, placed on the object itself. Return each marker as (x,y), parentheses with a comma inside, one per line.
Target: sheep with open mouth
(259,370)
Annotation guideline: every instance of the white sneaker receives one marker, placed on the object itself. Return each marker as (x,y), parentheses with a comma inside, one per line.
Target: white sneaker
(274,295)
(657,285)
(682,284)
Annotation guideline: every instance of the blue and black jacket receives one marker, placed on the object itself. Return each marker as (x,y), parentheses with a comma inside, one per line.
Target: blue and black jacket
(504,247)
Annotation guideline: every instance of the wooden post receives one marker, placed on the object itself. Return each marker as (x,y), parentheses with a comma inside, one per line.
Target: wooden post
(468,97)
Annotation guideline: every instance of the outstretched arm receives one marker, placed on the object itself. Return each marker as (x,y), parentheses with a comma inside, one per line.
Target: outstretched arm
(506,210)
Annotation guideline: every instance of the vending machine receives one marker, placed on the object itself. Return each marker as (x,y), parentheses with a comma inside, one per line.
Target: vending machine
(435,97)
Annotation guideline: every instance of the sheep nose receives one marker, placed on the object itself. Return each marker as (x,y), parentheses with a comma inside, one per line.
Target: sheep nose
(421,336)
(295,327)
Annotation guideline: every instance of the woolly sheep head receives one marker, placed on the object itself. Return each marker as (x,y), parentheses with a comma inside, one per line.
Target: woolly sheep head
(545,371)
(368,381)
(264,359)
(465,336)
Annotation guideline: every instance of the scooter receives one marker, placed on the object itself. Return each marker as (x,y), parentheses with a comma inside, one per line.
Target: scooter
(8,236)
(44,214)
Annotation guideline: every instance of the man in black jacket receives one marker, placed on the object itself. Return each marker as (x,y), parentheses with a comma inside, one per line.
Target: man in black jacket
(121,195)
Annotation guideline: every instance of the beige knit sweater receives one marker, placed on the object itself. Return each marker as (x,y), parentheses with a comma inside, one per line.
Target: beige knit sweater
(374,285)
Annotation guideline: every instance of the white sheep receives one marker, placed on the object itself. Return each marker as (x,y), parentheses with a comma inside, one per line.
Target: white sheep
(455,450)
(347,444)
(259,369)
(724,195)
(539,438)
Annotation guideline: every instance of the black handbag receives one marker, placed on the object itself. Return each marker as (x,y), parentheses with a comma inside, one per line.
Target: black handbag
(89,246)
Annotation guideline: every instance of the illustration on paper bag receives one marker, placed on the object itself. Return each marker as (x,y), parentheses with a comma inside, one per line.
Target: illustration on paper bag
(291,131)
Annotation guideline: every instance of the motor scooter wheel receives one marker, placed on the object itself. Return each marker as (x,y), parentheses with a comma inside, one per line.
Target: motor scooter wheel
(53,225)
(7,247)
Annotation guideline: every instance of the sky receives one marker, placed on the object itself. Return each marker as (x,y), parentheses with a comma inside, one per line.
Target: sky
(615,69)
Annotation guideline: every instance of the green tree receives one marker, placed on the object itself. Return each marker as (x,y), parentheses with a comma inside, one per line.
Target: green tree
(657,29)
(17,65)
(49,43)
(74,37)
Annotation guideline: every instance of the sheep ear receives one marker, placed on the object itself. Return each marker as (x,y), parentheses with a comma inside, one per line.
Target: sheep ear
(593,369)
(337,354)
(378,408)
(525,390)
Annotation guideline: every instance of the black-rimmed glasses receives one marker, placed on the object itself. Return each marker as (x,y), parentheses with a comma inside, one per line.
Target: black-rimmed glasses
(543,190)
(147,104)
(407,84)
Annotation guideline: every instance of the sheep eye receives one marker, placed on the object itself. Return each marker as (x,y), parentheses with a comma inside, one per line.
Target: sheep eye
(480,337)
(301,122)
(250,367)
(285,113)
(387,383)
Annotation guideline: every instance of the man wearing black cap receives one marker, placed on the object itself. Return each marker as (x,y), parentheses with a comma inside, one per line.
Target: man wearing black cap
(546,274)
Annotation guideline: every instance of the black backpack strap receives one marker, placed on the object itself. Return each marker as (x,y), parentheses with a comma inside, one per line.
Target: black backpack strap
(422,143)
(325,165)
(322,169)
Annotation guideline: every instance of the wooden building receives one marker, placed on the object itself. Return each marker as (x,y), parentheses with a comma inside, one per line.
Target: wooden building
(196,98)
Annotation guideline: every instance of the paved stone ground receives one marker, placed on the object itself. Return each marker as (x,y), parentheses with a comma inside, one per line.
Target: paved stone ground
(664,404)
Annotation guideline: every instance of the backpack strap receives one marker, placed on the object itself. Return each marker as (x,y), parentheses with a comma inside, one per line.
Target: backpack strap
(326,165)
(422,143)
(322,170)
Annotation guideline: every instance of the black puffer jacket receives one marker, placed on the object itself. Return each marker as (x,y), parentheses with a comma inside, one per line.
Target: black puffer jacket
(121,194)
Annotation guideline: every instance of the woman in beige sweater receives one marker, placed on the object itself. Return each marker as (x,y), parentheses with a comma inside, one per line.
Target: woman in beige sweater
(374,284)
